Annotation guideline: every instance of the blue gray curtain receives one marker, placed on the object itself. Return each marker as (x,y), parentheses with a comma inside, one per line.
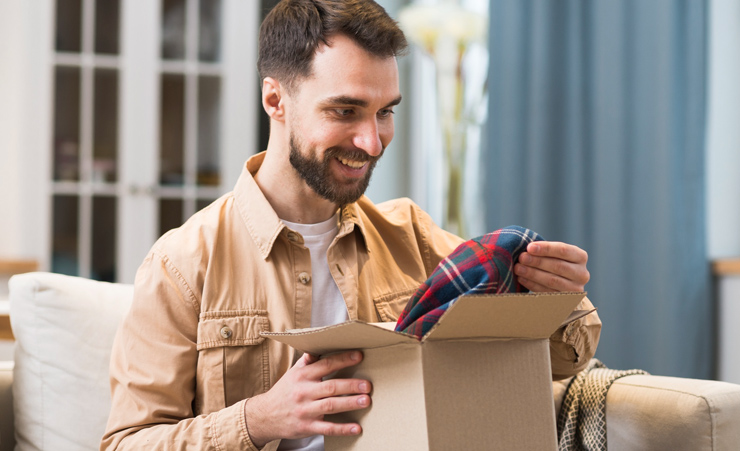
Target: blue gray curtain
(596,137)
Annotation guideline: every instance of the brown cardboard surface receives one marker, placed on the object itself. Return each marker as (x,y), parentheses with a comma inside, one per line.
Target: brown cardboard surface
(486,395)
(528,315)
(345,336)
(480,380)
(396,418)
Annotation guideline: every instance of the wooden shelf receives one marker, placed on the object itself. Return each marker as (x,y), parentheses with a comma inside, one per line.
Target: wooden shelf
(18,266)
(726,267)
(6,333)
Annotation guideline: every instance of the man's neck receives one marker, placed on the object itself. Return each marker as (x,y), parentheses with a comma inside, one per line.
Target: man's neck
(289,195)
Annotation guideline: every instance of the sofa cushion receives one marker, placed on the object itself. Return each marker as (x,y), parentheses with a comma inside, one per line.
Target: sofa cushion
(64,328)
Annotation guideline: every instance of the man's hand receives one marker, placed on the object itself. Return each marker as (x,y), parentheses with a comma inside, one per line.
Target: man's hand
(552,266)
(295,406)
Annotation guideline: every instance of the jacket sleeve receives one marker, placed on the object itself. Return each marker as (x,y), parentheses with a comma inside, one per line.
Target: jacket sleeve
(153,372)
(573,345)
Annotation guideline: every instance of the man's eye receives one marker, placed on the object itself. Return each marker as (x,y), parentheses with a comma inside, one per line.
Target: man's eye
(386,113)
(343,112)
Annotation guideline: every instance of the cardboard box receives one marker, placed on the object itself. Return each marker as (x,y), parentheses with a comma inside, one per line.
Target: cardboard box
(479,380)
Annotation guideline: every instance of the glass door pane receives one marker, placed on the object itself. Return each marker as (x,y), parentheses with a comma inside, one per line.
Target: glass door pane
(69,26)
(172,130)
(209,130)
(106,26)
(105,150)
(67,123)
(104,226)
(170,214)
(209,42)
(173,29)
(65,239)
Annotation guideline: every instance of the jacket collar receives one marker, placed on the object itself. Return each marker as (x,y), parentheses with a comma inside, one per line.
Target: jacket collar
(262,221)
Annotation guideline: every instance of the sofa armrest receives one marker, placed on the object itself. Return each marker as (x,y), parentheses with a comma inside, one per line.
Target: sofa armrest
(645,413)
(7,439)
(656,412)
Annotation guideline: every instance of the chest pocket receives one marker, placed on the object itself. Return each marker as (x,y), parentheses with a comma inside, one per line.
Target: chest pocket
(390,306)
(232,358)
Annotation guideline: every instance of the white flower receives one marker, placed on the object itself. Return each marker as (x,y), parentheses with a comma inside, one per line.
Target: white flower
(427,24)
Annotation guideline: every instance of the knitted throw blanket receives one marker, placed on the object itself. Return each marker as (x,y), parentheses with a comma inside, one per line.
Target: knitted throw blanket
(582,418)
(481,265)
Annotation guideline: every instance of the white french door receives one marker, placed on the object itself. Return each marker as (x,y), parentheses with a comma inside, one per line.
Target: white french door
(153,115)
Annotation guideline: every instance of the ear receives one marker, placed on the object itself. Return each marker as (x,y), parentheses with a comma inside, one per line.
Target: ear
(272,99)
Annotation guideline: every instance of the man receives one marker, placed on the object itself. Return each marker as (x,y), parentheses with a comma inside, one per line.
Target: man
(294,245)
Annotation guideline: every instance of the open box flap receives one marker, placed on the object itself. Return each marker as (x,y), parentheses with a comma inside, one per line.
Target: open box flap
(340,337)
(520,315)
(576,314)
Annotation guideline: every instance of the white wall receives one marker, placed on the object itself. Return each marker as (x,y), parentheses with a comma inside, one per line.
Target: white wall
(10,77)
(25,85)
(723,131)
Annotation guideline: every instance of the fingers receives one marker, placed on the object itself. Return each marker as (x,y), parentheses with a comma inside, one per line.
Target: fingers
(337,404)
(537,279)
(341,387)
(305,360)
(568,271)
(332,363)
(328,428)
(296,405)
(557,250)
(536,287)
(335,395)
(553,266)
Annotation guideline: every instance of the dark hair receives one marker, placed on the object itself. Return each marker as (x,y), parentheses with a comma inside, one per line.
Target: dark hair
(294,29)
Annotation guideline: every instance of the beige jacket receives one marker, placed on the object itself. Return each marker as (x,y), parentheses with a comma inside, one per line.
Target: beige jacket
(189,353)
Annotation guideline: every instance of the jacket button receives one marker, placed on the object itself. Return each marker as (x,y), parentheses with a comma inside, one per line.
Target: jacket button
(293,237)
(304,278)
(226,332)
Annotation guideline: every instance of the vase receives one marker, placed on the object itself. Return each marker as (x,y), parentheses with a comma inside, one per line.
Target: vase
(455,152)
(448,32)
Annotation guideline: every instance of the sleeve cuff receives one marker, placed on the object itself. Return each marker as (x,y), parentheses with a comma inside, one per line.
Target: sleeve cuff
(229,428)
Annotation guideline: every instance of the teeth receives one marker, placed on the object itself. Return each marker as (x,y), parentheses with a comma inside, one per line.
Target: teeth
(352,164)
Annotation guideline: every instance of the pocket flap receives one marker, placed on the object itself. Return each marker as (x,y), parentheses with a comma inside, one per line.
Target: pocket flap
(390,306)
(232,328)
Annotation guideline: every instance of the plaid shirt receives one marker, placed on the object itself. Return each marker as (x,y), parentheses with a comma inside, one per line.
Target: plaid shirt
(481,265)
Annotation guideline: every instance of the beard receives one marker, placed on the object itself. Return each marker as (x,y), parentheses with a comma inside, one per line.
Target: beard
(318,175)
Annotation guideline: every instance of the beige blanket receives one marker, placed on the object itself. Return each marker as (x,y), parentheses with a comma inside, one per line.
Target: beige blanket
(582,418)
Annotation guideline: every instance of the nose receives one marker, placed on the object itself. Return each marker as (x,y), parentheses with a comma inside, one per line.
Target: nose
(367,138)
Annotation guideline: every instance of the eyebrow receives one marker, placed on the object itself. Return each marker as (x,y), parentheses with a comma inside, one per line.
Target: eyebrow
(347,100)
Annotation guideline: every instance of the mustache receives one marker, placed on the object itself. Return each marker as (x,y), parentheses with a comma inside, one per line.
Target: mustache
(351,154)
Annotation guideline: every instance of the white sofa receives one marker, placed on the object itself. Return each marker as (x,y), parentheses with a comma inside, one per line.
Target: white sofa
(64,327)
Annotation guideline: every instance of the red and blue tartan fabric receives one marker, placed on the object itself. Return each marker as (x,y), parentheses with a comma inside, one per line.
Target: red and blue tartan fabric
(482,265)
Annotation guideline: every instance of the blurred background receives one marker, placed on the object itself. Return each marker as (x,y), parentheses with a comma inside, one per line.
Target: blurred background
(611,125)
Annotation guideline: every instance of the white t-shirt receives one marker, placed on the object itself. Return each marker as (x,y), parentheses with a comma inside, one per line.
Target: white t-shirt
(327,303)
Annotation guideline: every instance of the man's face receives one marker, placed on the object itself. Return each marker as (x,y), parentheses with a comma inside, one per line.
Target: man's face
(341,119)
(317,172)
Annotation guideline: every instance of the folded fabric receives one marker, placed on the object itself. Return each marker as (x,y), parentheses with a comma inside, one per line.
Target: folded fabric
(581,423)
(482,265)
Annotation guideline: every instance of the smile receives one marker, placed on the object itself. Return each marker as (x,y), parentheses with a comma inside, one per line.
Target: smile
(352,163)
